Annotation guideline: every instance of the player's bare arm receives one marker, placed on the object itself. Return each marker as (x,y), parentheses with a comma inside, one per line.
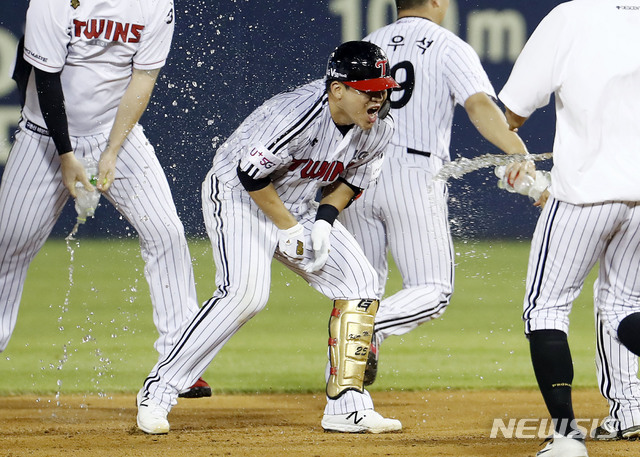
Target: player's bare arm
(291,234)
(270,203)
(515,121)
(337,195)
(133,104)
(492,124)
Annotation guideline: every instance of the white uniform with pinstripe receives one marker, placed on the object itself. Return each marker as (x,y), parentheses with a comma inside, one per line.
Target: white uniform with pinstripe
(406,211)
(594,214)
(97,69)
(296,132)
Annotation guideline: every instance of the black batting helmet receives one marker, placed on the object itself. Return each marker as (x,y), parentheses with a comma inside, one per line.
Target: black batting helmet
(361,65)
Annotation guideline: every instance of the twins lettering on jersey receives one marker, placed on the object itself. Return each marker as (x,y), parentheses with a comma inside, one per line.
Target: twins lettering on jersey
(312,169)
(107,30)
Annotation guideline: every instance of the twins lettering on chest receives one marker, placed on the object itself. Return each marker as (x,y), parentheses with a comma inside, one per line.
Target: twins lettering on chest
(311,169)
(107,30)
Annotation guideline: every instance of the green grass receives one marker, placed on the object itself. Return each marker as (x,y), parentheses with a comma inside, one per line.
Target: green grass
(85,326)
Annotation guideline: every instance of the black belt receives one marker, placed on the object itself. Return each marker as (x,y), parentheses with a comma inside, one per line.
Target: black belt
(420,153)
(36,128)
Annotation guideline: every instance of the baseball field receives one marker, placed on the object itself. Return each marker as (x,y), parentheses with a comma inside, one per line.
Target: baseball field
(83,345)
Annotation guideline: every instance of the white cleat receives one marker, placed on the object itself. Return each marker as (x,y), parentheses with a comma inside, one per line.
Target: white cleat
(152,418)
(563,446)
(366,421)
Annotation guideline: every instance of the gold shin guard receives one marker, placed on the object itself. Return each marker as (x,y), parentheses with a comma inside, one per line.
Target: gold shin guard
(350,332)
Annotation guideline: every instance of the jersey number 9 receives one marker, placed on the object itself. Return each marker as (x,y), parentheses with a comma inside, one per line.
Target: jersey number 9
(406,85)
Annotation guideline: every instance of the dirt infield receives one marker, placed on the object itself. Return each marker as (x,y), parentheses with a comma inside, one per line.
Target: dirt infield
(438,423)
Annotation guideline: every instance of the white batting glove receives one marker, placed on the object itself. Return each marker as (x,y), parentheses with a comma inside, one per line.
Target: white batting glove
(291,242)
(320,241)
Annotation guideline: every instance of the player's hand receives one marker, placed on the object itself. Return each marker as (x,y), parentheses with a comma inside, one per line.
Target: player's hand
(516,170)
(320,242)
(72,172)
(291,242)
(106,170)
(543,199)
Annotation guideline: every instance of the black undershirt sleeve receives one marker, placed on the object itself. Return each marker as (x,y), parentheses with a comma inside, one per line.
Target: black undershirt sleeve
(51,100)
(21,72)
(251,184)
(356,190)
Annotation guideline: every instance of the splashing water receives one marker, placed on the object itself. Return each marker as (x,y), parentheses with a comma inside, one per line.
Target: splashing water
(459,167)
(72,233)
(62,361)
(63,309)
(104,365)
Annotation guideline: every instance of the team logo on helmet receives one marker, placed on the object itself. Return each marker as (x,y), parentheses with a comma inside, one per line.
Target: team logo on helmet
(382,64)
(75,4)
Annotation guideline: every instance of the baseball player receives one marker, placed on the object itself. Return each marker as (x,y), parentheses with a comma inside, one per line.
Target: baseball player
(259,202)
(86,74)
(406,210)
(593,212)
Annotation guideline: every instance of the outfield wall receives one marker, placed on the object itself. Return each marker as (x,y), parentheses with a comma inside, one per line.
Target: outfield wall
(230,56)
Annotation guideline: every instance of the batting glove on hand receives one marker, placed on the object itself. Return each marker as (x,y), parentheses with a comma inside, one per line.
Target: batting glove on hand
(291,242)
(320,241)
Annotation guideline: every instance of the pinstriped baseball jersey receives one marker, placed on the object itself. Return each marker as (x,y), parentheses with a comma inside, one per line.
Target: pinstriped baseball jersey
(405,211)
(293,139)
(436,70)
(96,43)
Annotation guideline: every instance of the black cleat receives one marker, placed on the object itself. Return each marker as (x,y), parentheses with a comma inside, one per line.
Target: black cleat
(198,390)
(608,432)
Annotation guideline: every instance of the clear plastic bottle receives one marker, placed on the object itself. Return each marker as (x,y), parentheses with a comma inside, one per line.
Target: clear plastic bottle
(525,184)
(87,201)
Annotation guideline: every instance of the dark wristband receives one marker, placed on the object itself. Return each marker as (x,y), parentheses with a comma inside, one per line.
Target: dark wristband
(327,213)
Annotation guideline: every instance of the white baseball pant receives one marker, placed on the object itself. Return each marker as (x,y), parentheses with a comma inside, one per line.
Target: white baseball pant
(32,197)
(406,212)
(244,241)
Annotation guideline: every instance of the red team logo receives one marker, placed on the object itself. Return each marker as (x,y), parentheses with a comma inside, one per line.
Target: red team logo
(108,30)
(382,64)
(311,169)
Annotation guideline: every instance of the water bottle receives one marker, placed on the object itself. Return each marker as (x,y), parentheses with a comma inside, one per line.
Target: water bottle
(525,184)
(87,201)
